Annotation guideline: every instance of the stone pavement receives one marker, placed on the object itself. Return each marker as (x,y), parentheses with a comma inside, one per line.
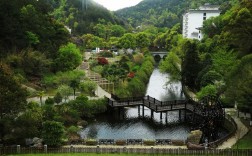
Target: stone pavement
(241,130)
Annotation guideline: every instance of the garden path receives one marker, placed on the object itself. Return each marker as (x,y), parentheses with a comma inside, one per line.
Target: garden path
(241,130)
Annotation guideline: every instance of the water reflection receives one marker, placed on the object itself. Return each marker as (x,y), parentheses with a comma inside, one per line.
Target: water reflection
(129,124)
(159,89)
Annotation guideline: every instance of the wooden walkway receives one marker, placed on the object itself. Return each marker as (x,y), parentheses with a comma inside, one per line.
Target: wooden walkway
(152,103)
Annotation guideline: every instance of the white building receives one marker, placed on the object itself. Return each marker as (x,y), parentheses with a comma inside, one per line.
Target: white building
(193,20)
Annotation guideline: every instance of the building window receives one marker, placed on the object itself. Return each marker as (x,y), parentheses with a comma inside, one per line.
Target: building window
(199,31)
(204,18)
(204,14)
(199,36)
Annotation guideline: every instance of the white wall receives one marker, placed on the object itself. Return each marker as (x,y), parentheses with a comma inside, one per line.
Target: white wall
(195,20)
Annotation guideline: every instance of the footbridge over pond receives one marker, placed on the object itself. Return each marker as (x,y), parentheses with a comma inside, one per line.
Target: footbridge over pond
(206,114)
(153,104)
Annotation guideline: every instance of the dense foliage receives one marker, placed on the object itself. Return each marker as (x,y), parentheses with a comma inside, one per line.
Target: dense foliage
(27,23)
(161,13)
(37,52)
(220,64)
(82,15)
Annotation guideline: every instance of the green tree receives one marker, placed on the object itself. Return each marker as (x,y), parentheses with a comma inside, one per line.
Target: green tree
(88,87)
(33,63)
(117,30)
(40,94)
(91,41)
(190,64)
(57,98)
(223,61)
(69,57)
(101,30)
(32,38)
(74,84)
(29,123)
(65,91)
(172,65)
(127,41)
(142,40)
(238,30)
(240,82)
(209,90)
(12,100)
(138,58)
(49,101)
(53,133)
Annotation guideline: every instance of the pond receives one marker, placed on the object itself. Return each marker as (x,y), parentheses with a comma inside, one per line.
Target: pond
(133,126)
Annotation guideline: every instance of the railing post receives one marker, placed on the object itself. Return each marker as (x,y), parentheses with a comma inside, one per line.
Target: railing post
(124,149)
(97,149)
(71,149)
(161,103)
(156,107)
(45,149)
(154,100)
(18,149)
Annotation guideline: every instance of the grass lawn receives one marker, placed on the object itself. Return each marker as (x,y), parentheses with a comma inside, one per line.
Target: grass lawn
(246,141)
(93,154)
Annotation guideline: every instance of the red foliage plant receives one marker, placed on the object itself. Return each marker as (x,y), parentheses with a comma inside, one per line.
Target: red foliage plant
(102,61)
(131,74)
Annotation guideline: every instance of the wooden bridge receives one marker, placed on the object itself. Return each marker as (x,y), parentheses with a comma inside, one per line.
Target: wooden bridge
(154,105)
(151,103)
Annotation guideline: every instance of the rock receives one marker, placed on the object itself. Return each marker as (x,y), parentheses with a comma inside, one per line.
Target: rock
(194,137)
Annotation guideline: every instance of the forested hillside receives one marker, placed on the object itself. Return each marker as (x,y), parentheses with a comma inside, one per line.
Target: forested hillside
(38,59)
(161,13)
(221,63)
(81,15)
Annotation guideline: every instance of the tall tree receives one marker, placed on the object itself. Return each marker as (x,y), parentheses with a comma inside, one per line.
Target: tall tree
(240,82)
(128,41)
(12,99)
(69,57)
(74,84)
(190,63)
(142,40)
(53,133)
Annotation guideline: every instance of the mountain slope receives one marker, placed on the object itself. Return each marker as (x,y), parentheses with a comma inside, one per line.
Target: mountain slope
(81,15)
(160,13)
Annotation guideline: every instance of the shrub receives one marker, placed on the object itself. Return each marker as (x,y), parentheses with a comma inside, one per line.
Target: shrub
(178,142)
(106,54)
(121,142)
(206,91)
(53,133)
(88,87)
(102,61)
(149,142)
(91,142)
(49,101)
(98,69)
(131,75)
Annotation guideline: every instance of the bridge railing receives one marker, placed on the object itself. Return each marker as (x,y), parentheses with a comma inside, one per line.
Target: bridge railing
(148,100)
(164,103)
(131,99)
